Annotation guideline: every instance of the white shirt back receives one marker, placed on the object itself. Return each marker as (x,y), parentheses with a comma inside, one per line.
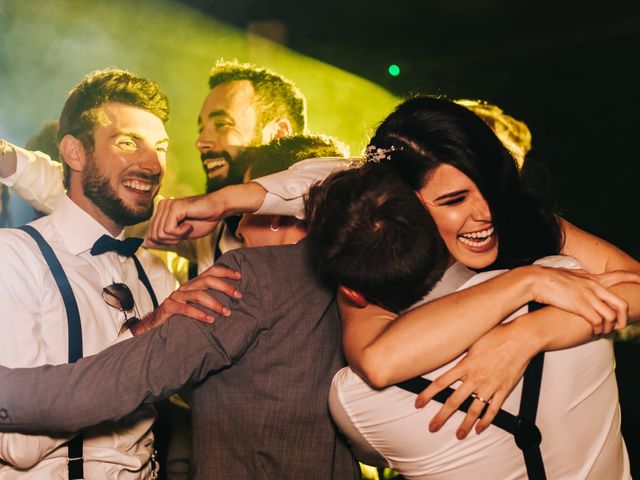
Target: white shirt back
(578,415)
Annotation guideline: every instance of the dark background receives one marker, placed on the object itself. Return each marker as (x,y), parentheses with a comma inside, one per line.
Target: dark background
(570,70)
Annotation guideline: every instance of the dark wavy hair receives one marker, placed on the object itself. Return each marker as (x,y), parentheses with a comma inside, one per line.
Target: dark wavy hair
(427,131)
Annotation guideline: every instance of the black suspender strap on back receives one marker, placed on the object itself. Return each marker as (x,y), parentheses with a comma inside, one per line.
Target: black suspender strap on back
(74,327)
(523,428)
(527,435)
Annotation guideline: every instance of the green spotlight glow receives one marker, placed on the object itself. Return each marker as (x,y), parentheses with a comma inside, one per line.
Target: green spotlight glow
(394,70)
(71,38)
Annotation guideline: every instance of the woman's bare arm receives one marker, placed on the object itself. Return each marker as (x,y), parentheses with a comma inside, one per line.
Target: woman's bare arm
(385,350)
(599,256)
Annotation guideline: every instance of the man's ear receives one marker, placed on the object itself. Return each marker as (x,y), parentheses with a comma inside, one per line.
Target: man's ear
(73,153)
(277,129)
(354,296)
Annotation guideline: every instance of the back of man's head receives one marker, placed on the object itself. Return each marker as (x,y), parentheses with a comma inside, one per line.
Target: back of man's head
(277,97)
(370,232)
(281,153)
(80,115)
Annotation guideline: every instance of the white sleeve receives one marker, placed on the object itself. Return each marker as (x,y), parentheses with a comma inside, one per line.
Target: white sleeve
(286,189)
(24,452)
(38,179)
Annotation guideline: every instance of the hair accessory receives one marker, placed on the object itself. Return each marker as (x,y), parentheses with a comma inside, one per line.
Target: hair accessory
(376,155)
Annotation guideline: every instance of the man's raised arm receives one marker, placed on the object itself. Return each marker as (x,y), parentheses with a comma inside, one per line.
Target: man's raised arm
(32,175)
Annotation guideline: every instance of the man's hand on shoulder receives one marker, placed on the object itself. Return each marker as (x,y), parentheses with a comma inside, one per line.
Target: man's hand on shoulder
(184,300)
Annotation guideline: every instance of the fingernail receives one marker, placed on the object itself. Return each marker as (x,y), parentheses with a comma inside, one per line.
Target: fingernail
(460,434)
(433,427)
(237,294)
(211,318)
(420,403)
(226,312)
(480,429)
(238,275)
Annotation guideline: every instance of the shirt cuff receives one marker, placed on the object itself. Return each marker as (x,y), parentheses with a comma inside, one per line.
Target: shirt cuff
(275,205)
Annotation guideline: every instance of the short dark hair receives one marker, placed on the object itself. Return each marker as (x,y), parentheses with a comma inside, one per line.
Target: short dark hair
(370,232)
(79,115)
(277,97)
(426,132)
(281,153)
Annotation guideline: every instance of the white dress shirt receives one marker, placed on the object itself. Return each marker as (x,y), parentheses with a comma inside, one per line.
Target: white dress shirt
(34,332)
(578,416)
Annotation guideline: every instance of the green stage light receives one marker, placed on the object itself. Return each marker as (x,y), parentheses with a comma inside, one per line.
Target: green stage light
(394,70)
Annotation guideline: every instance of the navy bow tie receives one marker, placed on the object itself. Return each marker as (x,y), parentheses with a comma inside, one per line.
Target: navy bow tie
(126,247)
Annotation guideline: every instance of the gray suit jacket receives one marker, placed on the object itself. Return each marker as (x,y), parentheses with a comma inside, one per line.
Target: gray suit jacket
(261,377)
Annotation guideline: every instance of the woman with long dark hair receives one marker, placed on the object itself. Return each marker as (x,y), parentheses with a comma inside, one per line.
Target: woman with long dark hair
(469,184)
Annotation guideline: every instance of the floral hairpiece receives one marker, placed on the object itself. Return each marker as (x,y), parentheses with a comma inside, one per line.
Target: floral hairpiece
(376,155)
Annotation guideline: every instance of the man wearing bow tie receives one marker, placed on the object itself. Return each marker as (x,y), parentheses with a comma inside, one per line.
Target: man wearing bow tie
(113,141)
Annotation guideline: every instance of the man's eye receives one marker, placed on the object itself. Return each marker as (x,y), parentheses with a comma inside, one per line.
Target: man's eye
(220,125)
(161,148)
(127,144)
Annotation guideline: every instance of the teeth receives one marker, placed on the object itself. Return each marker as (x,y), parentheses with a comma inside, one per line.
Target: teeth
(212,164)
(138,185)
(479,235)
(474,243)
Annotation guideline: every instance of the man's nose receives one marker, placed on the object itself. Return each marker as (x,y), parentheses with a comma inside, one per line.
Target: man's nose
(205,142)
(153,161)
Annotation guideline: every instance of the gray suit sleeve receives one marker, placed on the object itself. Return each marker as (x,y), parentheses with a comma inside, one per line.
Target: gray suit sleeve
(144,369)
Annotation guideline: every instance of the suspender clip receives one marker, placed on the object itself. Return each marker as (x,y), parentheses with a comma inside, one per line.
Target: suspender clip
(526,434)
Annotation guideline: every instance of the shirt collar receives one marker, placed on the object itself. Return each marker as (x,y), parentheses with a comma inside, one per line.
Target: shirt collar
(78,230)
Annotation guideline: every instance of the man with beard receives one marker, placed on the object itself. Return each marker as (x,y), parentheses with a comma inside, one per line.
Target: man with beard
(71,287)
(246,106)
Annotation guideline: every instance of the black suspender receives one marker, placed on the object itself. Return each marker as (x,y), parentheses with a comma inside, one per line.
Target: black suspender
(74,327)
(75,461)
(523,428)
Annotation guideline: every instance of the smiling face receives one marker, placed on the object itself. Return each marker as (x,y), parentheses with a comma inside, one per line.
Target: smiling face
(462,216)
(122,175)
(227,123)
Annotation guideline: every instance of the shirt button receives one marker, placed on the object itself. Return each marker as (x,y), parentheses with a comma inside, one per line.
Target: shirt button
(4,414)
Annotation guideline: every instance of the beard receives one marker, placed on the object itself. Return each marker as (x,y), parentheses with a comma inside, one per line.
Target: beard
(234,175)
(97,188)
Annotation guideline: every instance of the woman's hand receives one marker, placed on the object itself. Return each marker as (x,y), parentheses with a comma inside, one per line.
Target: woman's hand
(491,369)
(194,292)
(585,294)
